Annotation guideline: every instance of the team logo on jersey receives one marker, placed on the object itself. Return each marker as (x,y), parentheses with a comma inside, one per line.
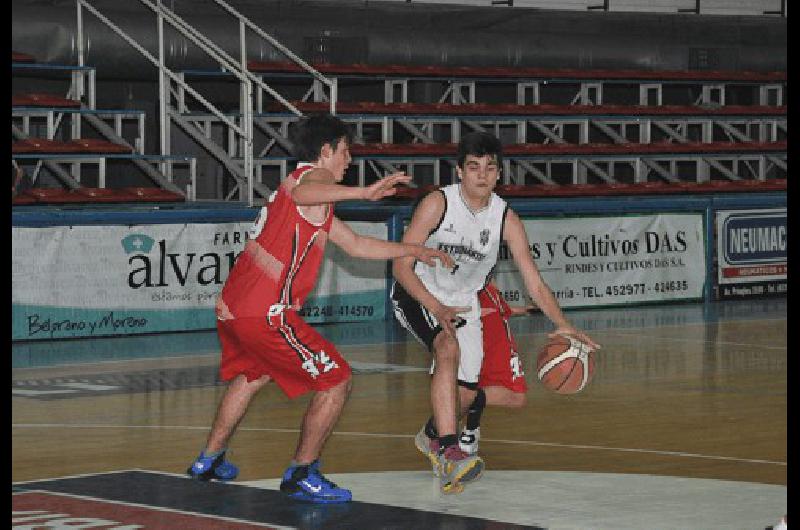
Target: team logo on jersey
(311,363)
(484,236)
(449,229)
(516,366)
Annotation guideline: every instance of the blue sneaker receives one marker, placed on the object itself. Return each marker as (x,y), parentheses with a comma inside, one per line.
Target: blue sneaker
(307,483)
(209,467)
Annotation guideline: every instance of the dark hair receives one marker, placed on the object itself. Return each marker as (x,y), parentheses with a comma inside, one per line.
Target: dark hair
(312,132)
(479,144)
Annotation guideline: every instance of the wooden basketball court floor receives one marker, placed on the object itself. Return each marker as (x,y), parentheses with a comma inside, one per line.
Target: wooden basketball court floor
(683,426)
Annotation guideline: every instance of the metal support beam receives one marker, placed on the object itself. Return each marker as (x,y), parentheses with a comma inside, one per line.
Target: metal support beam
(544,179)
(616,137)
(424,138)
(672,133)
(277,136)
(156,176)
(597,170)
(666,175)
(57,171)
(732,131)
(236,170)
(547,132)
(777,161)
(722,169)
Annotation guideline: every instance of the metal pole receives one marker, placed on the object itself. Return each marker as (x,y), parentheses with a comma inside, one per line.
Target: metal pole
(91,90)
(247,114)
(243,45)
(162,93)
(708,288)
(334,96)
(79,45)
(248,141)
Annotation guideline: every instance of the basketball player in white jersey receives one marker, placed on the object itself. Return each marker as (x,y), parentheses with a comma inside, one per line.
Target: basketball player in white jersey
(440,307)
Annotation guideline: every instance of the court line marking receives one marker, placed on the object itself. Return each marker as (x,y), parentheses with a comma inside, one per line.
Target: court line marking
(96,473)
(79,475)
(103,362)
(215,355)
(631,330)
(154,508)
(388,435)
(626,333)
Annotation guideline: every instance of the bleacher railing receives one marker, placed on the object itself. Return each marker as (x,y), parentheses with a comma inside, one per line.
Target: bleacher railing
(236,67)
(244,24)
(244,131)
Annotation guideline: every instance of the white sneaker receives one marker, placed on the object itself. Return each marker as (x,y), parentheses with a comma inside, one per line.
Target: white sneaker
(429,448)
(468,441)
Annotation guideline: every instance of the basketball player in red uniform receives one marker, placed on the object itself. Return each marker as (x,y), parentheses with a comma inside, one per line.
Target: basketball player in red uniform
(502,380)
(262,335)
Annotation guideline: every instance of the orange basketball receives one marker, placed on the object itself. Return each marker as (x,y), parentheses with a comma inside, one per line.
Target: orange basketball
(565,365)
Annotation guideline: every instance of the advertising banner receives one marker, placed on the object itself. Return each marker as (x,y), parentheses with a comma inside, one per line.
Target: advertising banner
(751,252)
(604,261)
(84,281)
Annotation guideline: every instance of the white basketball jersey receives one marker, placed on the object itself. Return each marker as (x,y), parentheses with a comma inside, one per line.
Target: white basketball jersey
(473,240)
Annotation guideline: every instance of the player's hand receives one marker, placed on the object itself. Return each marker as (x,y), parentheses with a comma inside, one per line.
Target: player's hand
(570,331)
(428,256)
(449,316)
(384,187)
(521,310)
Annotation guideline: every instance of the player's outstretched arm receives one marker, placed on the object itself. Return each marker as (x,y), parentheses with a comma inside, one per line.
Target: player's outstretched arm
(517,240)
(367,247)
(516,310)
(319,186)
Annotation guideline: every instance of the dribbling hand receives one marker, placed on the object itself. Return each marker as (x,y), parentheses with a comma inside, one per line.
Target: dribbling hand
(570,331)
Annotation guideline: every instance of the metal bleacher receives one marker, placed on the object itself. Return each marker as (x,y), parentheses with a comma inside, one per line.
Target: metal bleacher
(736,142)
(564,131)
(49,131)
(601,126)
(526,85)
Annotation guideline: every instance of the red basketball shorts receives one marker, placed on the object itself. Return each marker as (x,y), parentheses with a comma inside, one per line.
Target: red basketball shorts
(501,363)
(289,350)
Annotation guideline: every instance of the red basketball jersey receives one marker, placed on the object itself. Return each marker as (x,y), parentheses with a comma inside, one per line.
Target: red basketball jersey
(281,264)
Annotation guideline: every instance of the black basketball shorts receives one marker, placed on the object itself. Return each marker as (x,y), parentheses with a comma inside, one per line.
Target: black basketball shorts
(423,325)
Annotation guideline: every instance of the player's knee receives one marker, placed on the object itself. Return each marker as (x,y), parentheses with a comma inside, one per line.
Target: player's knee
(261,381)
(240,384)
(338,392)
(446,349)
(498,396)
(345,385)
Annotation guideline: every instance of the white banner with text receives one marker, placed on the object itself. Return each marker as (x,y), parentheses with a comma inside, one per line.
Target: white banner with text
(604,261)
(85,281)
(752,252)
